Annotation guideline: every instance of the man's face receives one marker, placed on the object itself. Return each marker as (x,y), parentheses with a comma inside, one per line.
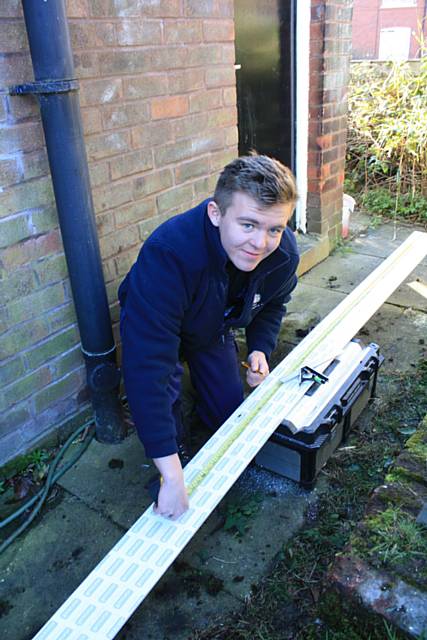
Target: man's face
(249,232)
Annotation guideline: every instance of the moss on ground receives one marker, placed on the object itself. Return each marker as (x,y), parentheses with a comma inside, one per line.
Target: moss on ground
(291,603)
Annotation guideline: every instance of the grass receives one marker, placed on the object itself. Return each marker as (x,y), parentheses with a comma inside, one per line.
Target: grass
(288,604)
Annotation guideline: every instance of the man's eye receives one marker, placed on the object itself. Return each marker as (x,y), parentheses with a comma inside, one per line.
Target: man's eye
(276,232)
(247,225)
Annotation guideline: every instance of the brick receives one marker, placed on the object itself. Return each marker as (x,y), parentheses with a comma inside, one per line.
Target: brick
(135,212)
(200,8)
(205,100)
(218,30)
(92,122)
(51,347)
(124,61)
(3,110)
(99,173)
(124,262)
(13,36)
(219,160)
(228,54)
(193,169)
(77,8)
(86,64)
(112,288)
(125,115)
(120,240)
(145,86)
(177,198)
(173,152)
(10,172)
(110,196)
(222,117)
(204,188)
(22,108)
(151,134)
(168,57)
(87,34)
(11,9)
(130,163)
(10,421)
(182,31)
(152,183)
(95,92)
(24,137)
(15,68)
(205,54)
(220,77)
(212,141)
(139,32)
(62,317)
(230,96)
(169,107)
(182,81)
(109,270)
(34,165)
(18,283)
(31,249)
(26,195)
(50,270)
(27,224)
(146,227)
(56,391)
(23,336)
(105,223)
(35,304)
(129,8)
(231,137)
(11,370)
(26,386)
(106,145)
(67,362)
(187,126)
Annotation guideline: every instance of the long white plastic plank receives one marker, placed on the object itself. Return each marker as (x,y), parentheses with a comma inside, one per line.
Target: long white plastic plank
(100,606)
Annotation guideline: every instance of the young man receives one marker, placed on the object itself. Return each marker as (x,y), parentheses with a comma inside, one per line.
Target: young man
(229,262)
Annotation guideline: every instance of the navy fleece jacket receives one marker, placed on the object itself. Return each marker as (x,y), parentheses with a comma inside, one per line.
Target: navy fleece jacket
(173,301)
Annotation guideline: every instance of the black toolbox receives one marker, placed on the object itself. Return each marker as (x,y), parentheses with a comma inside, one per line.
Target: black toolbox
(304,441)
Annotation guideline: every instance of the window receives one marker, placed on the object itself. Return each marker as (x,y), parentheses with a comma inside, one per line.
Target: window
(398,4)
(394,43)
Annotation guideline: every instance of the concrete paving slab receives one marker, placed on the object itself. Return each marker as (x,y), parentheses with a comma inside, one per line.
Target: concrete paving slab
(44,566)
(111,479)
(343,272)
(382,240)
(240,560)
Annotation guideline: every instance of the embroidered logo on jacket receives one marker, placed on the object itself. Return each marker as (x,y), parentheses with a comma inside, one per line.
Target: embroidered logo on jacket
(256,302)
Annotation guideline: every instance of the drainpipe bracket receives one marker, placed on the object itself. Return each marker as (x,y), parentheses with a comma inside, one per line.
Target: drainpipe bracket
(44,87)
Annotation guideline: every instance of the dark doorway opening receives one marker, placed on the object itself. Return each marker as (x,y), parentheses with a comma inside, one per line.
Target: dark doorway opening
(265,59)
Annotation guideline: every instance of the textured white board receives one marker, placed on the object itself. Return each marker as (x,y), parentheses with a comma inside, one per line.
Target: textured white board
(100,606)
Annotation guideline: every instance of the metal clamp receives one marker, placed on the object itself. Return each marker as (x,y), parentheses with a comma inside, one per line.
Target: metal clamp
(44,87)
(307,374)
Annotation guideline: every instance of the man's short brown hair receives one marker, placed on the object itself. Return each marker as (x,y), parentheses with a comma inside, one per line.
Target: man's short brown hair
(264,179)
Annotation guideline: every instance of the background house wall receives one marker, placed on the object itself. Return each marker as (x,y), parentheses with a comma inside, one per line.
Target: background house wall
(373,17)
(158,99)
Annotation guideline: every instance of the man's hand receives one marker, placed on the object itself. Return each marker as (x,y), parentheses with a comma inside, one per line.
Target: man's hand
(173,500)
(258,370)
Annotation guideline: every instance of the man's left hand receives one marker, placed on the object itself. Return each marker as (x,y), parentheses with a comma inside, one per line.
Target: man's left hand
(258,370)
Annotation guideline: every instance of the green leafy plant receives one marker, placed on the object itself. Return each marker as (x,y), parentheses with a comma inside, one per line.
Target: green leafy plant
(387,134)
(238,514)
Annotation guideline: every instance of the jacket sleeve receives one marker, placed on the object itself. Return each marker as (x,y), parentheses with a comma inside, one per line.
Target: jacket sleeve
(262,332)
(150,328)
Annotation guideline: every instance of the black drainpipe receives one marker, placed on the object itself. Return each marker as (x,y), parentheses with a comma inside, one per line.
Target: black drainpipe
(56,89)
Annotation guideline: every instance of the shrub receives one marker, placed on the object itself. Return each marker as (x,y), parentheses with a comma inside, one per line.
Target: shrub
(387,127)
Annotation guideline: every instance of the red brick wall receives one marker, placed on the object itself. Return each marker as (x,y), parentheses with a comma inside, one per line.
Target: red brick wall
(330,46)
(158,106)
